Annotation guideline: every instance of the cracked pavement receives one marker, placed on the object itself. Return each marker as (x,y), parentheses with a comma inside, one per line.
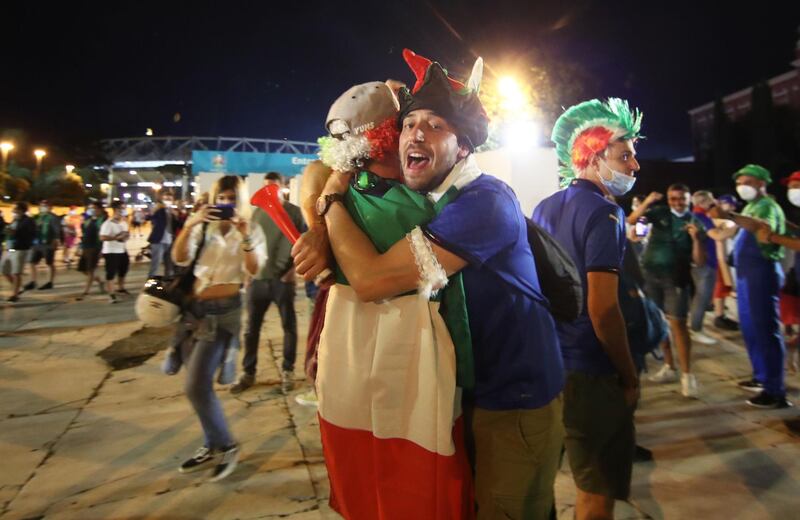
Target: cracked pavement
(81,440)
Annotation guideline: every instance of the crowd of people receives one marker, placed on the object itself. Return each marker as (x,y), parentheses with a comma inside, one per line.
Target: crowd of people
(28,240)
(446,385)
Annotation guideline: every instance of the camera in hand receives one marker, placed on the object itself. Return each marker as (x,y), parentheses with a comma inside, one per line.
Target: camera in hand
(224,211)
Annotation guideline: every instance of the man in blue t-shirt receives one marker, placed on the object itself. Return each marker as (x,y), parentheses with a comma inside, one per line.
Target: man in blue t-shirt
(595,144)
(516,421)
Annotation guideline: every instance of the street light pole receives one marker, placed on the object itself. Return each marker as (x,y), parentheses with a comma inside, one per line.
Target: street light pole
(5,147)
(39,153)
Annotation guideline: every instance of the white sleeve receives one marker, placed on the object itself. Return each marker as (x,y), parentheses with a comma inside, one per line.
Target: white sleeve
(432,275)
(105,228)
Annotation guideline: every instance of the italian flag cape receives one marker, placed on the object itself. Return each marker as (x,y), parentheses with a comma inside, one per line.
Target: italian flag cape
(390,376)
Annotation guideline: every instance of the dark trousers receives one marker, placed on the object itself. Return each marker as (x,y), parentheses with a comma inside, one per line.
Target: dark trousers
(260,295)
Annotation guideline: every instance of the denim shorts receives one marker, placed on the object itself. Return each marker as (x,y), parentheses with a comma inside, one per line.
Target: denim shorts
(671,298)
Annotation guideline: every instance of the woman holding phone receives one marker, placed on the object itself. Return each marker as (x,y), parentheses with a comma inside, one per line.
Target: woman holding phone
(226,250)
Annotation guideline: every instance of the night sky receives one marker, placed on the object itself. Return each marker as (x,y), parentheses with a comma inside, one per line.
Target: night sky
(84,70)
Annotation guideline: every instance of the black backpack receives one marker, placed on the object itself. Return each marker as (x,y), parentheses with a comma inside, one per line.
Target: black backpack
(558,276)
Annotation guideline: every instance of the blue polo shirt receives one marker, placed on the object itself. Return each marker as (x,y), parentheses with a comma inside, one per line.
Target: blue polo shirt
(517,359)
(592,230)
(710,243)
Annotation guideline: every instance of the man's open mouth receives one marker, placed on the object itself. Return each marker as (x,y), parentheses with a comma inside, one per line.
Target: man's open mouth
(417,160)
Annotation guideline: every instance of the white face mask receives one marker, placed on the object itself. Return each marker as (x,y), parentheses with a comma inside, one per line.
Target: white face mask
(123,212)
(679,214)
(746,192)
(44,209)
(794,196)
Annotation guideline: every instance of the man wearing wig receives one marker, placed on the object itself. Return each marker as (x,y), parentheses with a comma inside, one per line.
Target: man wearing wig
(595,145)
(389,404)
(478,231)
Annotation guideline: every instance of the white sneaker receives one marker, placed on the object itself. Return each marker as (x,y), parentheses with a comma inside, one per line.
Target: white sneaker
(665,375)
(688,385)
(307,399)
(701,338)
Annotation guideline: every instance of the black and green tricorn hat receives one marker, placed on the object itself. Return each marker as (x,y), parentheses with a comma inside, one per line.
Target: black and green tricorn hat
(456,102)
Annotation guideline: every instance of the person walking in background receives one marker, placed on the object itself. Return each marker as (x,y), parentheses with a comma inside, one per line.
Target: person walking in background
(91,246)
(137,222)
(676,241)
(275,282)
(162,234)
(705,277)
(48,236)
(19,234)
(70,224)
(114,234)
(723,288)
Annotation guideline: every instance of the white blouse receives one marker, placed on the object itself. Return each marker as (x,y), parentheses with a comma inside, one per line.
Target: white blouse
(222,259)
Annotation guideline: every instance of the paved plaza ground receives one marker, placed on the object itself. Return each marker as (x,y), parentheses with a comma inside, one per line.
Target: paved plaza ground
(84,437)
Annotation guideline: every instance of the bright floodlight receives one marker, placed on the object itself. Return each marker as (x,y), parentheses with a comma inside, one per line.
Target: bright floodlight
(6,146)
(39,153)
(140,196)
(521,135)
(132,172)
(511,93)
(149,131)
(69,168)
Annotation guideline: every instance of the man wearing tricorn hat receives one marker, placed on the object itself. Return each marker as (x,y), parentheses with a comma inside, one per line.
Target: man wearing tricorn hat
(481,233)
(387,371)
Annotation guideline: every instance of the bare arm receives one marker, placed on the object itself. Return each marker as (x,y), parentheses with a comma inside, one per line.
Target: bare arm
(314,177)
(609,326)
(643,207)
(314,243)
(372,275)
(698,251)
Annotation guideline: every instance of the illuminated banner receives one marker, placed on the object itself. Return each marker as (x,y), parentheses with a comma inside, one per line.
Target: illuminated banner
(242,163)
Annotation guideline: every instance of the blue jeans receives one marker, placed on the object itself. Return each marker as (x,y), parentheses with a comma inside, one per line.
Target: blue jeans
(705,277)
(159,253)
(219,326)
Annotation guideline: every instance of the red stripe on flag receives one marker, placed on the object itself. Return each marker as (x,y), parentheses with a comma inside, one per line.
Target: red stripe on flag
(388,479)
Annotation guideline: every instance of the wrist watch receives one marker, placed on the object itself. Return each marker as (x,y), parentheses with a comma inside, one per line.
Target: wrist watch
(324,202)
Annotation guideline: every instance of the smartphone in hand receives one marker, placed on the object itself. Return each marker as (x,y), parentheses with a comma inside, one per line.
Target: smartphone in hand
(224,211)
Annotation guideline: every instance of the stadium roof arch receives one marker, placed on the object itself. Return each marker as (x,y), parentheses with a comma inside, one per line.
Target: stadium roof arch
(143,158)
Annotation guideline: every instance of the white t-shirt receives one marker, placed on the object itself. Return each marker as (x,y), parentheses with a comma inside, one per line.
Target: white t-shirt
(112,228)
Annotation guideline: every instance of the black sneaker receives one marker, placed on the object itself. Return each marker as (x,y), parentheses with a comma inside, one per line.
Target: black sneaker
(123,291)
(229,457)
(29,286)
(751,385)
(203,458)
(13,299)
(725,323)
(112,298)
(765,400)
(48,285)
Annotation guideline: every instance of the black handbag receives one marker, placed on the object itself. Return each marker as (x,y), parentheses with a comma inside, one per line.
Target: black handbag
(178,289)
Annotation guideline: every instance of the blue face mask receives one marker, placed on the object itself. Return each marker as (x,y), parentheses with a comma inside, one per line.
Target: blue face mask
(620,184)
